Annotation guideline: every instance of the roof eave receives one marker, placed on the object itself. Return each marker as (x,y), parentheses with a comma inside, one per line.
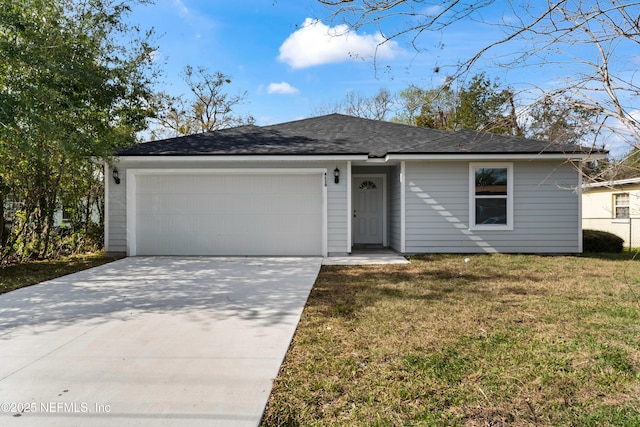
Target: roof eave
(495,156)
(611,184)
(165,158)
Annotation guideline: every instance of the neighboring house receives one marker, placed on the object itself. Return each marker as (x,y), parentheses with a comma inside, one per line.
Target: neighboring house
(613,206)
(11,206)
(326,185)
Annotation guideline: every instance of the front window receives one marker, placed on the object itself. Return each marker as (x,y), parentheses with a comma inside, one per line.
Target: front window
(491,196)
(621,205)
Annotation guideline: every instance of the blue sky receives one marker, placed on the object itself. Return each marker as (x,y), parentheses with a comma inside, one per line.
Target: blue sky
(278,51)
(282,54)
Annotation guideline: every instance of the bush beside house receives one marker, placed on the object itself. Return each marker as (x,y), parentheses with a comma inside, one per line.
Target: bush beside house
(601,241)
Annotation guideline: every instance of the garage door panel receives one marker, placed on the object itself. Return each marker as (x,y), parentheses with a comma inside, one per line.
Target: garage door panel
(173,204)
(229,214)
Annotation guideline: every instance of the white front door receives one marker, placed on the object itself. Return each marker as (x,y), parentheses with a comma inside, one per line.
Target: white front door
(367,212)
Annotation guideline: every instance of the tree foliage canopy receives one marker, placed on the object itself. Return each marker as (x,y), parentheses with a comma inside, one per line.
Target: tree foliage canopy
(481,104)
(74,80)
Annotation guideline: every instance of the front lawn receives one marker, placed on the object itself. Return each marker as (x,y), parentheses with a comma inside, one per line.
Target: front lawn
(497,340)
(25,274)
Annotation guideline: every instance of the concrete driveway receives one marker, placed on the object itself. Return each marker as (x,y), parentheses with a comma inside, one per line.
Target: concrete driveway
(150,341)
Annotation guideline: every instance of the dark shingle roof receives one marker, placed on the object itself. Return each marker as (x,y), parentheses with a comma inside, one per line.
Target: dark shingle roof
(339,134)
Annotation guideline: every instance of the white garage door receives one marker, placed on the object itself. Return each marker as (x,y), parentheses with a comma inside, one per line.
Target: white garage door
(229,214)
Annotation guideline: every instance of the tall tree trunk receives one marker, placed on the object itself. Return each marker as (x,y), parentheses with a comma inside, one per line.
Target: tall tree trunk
(4,232)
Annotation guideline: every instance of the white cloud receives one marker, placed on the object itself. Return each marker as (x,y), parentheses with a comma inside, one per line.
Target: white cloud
(282,88)
(156,55)
(433,11)
(182,9)
(316,44)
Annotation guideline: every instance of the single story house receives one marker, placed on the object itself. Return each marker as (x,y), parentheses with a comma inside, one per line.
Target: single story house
(613,206)
(326,185)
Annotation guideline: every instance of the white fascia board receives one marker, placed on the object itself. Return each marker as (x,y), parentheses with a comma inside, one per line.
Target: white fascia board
(234,171)
(612,183)
(489,157)
(250,158)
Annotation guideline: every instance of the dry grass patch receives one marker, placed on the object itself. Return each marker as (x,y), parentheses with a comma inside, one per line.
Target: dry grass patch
(499,340)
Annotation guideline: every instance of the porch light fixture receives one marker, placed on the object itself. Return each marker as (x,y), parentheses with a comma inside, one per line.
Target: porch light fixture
(336,175)
(116,175)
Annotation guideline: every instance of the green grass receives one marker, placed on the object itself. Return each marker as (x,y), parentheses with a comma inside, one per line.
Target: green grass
(29,273)
(500,340)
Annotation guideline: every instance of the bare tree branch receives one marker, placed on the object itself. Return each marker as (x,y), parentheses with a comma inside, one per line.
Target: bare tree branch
(591,41)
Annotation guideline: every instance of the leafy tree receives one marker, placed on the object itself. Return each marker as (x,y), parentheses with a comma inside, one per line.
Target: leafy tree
(74,79)
(632,164)
(480,105)
(410,102)
(438,108)
(559,120)
(628,167)
(209,108)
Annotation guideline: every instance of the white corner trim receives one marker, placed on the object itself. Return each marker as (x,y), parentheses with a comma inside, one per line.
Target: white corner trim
(349,208)
(580,235)
(131,212)
(325,214)
(107,183)
(403,207)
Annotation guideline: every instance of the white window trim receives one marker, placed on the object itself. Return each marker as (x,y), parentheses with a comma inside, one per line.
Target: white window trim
(616,206)
(472,197)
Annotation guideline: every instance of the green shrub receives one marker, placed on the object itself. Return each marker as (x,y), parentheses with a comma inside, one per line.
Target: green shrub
(601,241)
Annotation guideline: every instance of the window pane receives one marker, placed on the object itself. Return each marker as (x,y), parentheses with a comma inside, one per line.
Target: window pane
(491,211)
(491,181)
(621,203)
(622,212)
(622,199)
(368,185)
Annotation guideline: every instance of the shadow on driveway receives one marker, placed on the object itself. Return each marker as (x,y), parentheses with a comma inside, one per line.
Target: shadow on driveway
(259,289)
(156,341)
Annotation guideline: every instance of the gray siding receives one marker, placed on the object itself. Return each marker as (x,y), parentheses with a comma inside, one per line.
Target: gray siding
(337,209)
(546,206)
(395,209)
(336,197)
(545,210)
(117,214)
